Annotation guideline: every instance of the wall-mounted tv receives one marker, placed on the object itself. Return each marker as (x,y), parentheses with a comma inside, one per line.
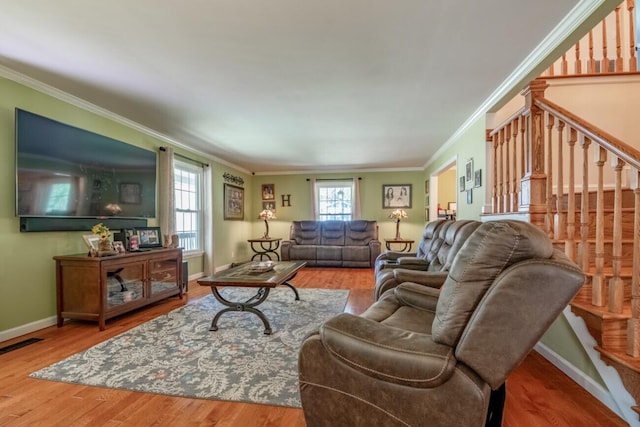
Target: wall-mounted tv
(66,172)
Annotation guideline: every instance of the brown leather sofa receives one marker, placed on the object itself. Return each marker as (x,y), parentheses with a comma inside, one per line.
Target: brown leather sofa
(422,356)
(332,243)
(432,269)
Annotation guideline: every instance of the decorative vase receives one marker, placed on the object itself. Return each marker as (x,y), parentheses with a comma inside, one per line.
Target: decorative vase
(398,229)
(105,248)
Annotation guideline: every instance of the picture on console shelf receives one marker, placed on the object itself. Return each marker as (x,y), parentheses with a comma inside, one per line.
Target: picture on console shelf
(149,237)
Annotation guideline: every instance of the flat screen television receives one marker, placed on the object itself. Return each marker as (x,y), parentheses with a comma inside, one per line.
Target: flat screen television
(66,172)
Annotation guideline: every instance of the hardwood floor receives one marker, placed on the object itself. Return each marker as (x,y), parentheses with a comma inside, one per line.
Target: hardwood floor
(538,394)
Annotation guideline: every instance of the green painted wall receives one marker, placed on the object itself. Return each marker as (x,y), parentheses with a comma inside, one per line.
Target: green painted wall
(299,190)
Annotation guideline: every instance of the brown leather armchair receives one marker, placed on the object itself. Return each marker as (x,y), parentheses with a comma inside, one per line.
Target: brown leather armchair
(390,259)
(433,269)
(422,356)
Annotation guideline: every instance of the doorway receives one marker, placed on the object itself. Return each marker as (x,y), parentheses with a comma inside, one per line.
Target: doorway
(442,192)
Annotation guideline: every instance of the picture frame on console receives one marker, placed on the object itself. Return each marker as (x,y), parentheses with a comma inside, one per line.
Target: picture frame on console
(92,241)
(233,202)
(149,237)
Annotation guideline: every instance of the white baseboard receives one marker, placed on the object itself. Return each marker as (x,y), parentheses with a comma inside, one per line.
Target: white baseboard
(583,380)
(27,329)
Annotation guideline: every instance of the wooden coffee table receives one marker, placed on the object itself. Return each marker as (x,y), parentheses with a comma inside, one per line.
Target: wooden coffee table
(251,275)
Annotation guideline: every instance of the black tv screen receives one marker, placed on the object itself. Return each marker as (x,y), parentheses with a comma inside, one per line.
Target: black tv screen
(64,171)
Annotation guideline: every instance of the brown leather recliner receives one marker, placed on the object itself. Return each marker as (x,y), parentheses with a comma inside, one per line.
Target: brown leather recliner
(422,356)
(433,270)
(392,259)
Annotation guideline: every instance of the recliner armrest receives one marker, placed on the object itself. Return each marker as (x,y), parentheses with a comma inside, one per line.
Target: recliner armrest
(434,279)
(413,263)
(388,354)
(394,255)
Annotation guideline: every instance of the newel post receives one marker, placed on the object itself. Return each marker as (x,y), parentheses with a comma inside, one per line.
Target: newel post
(533,185)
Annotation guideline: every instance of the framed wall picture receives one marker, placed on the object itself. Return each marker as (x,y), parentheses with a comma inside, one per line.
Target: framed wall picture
(130,193)
(468,173)
(233,202)
(477,178)
(149,237)
(269,205)
(469,196)
(396,196)
(268,192)
(461,182)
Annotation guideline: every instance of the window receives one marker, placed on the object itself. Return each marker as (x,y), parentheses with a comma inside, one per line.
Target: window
(188,183)
(334,200)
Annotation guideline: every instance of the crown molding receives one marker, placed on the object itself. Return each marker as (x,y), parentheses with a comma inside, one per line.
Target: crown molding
(46,89)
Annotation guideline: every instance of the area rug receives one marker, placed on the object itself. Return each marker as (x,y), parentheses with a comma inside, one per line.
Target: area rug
(177,355)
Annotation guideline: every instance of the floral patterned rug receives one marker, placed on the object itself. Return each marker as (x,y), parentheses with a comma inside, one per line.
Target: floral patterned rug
(176,354)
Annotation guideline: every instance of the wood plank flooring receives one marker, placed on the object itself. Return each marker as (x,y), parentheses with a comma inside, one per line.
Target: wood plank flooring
(538,394)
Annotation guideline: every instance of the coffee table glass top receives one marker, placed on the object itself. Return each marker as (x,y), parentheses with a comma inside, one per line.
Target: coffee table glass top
(255,273)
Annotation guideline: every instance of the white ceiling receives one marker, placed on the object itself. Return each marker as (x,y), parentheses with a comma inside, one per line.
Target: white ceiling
(284,85)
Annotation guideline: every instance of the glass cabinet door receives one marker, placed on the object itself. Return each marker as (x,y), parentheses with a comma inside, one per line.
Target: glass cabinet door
(162,276)
(124,284)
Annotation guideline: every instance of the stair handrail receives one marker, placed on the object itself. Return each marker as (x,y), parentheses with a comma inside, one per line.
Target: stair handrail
(619,148)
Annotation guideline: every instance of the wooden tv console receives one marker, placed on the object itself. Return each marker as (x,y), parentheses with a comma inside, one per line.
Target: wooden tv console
(99,288)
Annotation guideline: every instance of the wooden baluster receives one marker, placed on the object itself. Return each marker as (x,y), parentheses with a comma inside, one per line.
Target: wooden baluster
(619,61)
(616,284)
(592,62)
(584,206)
(494,199)
(514,184)
(501,207)
(578,59)
(507,170)
(523,153)
(633,324)
(633,62)
(561,220)
(604,66)
(599,288)
(549,172)
(570,243)
(564,68)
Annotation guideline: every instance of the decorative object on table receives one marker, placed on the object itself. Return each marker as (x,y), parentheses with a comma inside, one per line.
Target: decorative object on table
(105,245)
(149,237)
(398,215)
(477,178)
(268,192)
(233,202)
(266,215)
(218,366)
(172,241)
(396,196)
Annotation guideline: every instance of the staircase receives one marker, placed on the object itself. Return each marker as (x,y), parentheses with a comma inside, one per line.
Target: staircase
(580,184)
(544,159)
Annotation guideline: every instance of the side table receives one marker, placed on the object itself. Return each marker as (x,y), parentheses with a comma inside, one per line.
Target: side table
(405,244)
(265,248)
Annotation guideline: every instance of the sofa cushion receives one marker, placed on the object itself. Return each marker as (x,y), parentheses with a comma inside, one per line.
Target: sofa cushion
(493,247)
(305,232)
(332,233)
(360,233)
